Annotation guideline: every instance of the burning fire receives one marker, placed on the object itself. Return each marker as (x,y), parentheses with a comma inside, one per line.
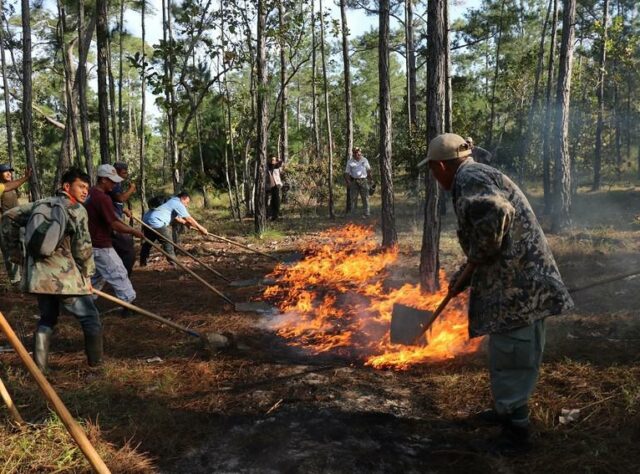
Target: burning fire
(335,301)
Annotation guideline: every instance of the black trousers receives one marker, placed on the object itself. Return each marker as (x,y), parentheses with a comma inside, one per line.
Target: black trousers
(273,198)
(152,236)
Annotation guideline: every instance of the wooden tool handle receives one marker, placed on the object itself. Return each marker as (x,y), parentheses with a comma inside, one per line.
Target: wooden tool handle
(237,244)
(50,394)
(191,272)
(144,312)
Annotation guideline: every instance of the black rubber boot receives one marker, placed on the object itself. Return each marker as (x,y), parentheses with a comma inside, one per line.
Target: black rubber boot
(41,342)
(93,349)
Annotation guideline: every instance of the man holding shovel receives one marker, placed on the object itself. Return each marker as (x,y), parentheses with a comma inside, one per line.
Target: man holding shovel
(160,218)
(63,277)
(515,282)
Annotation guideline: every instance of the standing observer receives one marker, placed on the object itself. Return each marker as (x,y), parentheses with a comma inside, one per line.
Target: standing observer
(102,222)
(356,175)
(62,278)
(515,282)
(273,186)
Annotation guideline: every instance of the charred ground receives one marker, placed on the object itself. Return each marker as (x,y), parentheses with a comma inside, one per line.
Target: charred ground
(263,407)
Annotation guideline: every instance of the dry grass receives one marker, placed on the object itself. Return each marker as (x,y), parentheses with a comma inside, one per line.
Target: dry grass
(48,447)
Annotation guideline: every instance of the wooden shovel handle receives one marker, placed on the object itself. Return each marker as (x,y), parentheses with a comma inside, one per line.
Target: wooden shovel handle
(237,244)
(50,394)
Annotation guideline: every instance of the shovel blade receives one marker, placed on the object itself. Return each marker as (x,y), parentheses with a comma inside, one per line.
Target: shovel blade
(409,324)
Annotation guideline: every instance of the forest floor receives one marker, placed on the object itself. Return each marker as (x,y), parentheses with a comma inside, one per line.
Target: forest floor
(162,404)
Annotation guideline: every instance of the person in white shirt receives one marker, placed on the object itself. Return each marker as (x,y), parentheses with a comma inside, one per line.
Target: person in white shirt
(356,176)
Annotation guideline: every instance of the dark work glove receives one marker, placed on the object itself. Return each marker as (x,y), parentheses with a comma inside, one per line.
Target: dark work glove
(454,278)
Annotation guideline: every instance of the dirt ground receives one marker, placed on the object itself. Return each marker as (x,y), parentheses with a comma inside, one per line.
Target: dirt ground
(265,407)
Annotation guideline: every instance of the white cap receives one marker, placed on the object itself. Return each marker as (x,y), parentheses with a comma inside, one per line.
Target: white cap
(108,171)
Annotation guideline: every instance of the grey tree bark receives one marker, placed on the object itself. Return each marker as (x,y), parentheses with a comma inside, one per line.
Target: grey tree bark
(103,91)
(326,112)
(562,196)
(496,75)
(597,158)
(389,233)
(347,92)
(549,116)
(143,103)
(81,82)
(5,85)
(260,217)
(284,104)
(436,77)
(314,98)
(27,101)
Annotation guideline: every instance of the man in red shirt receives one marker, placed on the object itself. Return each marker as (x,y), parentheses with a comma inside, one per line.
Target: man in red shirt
(102,222)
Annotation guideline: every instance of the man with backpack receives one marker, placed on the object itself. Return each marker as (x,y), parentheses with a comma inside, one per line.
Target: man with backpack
(102,222)
(58,262)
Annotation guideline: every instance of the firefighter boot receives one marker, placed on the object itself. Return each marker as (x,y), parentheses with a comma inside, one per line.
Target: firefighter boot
(41,342)
(93,349)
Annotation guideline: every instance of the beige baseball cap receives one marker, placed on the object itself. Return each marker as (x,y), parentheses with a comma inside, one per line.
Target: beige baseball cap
(108,171)
(447,146)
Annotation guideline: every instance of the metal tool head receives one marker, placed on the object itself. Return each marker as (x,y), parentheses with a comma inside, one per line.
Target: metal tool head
(409,324)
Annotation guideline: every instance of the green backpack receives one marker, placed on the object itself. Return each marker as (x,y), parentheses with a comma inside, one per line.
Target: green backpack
(46,227)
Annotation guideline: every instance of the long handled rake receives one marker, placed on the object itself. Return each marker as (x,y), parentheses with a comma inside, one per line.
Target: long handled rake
(182,249)
(191,272)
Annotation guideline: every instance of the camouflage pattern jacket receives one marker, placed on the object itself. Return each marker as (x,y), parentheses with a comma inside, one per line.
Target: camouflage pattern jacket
(517,280)
(68,270)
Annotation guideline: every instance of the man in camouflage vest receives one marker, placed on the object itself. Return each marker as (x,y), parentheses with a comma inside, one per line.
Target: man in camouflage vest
(64,278)
(514,279)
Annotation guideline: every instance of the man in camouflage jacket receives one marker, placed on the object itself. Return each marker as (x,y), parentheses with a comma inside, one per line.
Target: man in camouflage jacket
(64,278)
(514,279)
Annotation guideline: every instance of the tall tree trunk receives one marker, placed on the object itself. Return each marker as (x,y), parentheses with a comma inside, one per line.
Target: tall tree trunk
(284,105)
(327,114)
(412,96)
(170,97)
(562,195)
(533,110)
(5,88)
(260,218)
(618,127)
(103,91)
(436,76)
(496,74)
(120,76)
(112,103)
(203,174)
(597,158)
(229,127)
(143,103)
(347,92)
(27,101)
(81,78)
(389,234)
(314,98)
(547,146)
(448,95)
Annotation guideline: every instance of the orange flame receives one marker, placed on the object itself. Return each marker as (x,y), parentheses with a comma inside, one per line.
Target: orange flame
(335,301)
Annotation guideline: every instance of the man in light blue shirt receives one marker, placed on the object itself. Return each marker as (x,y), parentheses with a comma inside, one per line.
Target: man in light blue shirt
(160,218)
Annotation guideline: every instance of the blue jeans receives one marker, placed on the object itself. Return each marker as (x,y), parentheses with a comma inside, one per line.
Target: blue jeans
(82,307)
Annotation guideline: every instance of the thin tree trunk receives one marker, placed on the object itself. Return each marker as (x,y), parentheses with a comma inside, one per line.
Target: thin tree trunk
(260,218)
(389,234)
(203,174)
(314,99)
(597,158)
(412,96)
(347,92)
(496,74)
(448,101)
(533,110)
(618,128)
(82,94)
(120,74)
(143,103)
(327,114)
(562,196)
(436,76)
(112,103)
(548,119)
(27,101)
(5,85)
(284,105)
(103,91)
